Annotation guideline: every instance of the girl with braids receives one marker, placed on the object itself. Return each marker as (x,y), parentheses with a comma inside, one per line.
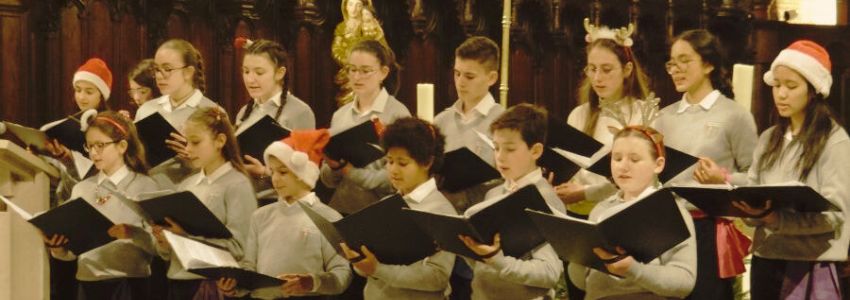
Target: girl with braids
(223,187)
(369,64)
(414,151)
(637,157)
(795,253)
(179,72)
(119,269)
(264,75)
(708,125)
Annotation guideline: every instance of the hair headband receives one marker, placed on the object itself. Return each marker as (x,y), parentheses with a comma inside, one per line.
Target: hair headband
(657,143)
(114,123)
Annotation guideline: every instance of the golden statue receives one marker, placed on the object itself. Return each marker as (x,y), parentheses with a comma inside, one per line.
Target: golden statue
(358,24)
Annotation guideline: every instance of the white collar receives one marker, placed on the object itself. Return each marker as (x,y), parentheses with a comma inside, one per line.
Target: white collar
(530,178)
(116,177)
(646,192)
(706,103)
(274,99)
(483,107)
(377,106)
(193,101)
(789,136)
(309,199)
(223,169)
(423,190)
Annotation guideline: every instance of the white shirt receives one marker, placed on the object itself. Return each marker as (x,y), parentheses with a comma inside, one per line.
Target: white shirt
(479,111)
(115,178)
(193,101)
(377,105)
(706,103)
(423,190)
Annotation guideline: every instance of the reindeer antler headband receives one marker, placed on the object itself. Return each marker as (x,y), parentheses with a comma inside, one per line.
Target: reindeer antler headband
(622,36)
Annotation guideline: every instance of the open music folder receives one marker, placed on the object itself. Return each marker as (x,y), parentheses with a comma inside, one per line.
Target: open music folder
(188,211)
(562,135)
(505,216)
(382,228)
(254,138)
(359,145)
(716,200)
(645,228)
(214,263)
(675,162)
(464,168)
(153,131)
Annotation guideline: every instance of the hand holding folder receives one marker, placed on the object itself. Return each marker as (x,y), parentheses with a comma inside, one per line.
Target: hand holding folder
(505,216)
(185,209)
(254,139)
(644,228)
(382,228)
(718,200)
(214,263)
(154,130)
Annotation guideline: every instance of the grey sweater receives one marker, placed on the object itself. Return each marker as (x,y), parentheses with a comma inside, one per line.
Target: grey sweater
(296,115)
(807,236)
(424,279)
(119,258)
(283,240)
(530,277)
(673,274)
(361,186)
(459,133)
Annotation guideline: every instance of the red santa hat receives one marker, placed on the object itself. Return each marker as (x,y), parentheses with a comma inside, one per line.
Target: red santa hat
(301,152)
(96,72)
(810,60)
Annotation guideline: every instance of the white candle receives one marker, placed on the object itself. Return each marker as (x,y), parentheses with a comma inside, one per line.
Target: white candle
(742,84)
(425,101)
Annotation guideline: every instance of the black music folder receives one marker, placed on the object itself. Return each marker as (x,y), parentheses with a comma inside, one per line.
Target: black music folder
(153,131)
(245,279)
(562,135)
(68,132)
(675,162)
(381,227)
(645,228)
(506,216)
(254,139)
(359,145)
(555,162)
(716,200)
(30,137)
(187,211)
(76,219)
(463,169)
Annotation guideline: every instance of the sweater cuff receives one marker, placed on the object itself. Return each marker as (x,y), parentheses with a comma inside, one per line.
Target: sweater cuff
(498,261)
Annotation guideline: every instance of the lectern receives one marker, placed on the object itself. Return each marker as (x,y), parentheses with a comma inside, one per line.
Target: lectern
(25,179)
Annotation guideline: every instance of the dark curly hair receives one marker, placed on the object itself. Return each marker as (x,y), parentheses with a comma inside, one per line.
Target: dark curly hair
(422,140)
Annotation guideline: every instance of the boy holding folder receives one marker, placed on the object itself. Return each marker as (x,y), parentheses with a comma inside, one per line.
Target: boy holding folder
(518,135)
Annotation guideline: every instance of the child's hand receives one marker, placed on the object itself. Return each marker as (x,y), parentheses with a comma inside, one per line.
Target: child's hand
(366,263)
(56,244)
(121,231)
(708,172)
(483,250)
(570,192)
(174,227)
(56,149)
(177,143)
(227,286)
(160,237)
(254,166)
(616,264)
(296,284)
(765,214)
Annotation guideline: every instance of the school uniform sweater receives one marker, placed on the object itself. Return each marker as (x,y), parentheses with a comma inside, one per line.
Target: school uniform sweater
(424,279)
(171,172)
(283,240)
(806,236)
(529,277)
(672,274)
(361,186)
(717,127)
(119,258)
(296,115)
(597,187)
(228,194)
(460,130)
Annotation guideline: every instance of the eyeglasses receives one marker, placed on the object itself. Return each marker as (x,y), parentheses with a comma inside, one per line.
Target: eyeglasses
(605,70)
(166,71)
(680,64)
(97,147)
(352,70)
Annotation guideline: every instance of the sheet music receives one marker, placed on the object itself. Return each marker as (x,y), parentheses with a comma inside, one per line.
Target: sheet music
(194,254)
(20,211)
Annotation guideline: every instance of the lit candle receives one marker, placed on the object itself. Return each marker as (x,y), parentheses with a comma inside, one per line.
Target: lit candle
(425,101)
(742,84)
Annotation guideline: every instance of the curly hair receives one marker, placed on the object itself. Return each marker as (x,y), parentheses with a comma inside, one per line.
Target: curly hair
(422,140)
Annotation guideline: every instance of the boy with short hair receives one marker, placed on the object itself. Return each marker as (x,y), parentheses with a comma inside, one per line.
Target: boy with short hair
(518,135)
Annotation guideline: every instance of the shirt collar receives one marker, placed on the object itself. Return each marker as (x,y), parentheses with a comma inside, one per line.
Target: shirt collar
(706,103)
(483,107)
(274,99)
(209,179)
(115,178)
(377,106)
(423,190)
(309,200)
(789,136)
(529,178)
(193,101)
(646,192)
